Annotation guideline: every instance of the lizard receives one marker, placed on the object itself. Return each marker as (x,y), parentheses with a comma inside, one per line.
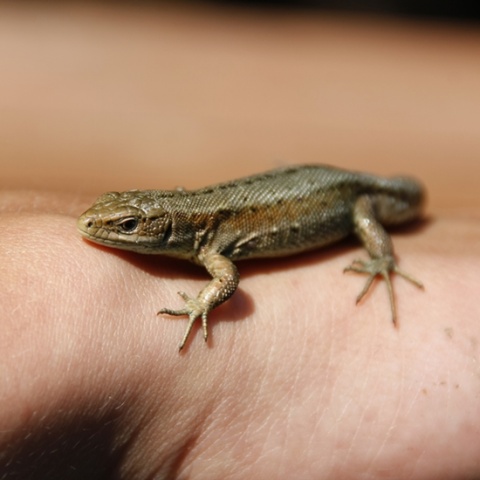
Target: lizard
(281,212)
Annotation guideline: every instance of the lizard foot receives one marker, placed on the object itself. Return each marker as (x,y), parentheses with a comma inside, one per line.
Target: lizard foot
(383,266)
(194,309)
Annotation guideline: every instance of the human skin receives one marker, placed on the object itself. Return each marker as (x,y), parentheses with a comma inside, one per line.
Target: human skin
(296,381)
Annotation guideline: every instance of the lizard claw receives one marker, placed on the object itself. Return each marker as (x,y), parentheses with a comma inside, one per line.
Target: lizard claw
(383,266)
(194,309)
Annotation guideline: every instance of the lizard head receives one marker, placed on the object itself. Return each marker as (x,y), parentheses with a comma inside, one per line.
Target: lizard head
(126,220)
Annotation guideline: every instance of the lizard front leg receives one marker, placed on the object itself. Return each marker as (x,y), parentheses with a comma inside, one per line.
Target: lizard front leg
(379,246)
(218,290)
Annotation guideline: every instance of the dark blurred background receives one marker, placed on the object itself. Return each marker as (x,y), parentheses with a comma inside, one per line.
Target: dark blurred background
(428,9)
(422,8)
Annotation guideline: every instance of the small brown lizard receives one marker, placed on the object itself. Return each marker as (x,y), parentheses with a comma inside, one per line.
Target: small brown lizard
(281,212)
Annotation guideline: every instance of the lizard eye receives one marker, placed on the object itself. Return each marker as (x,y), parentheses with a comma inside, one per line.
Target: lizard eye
(128,225)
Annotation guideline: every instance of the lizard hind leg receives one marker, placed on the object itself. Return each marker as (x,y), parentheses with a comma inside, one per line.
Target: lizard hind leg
(368,212)
(384,267)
